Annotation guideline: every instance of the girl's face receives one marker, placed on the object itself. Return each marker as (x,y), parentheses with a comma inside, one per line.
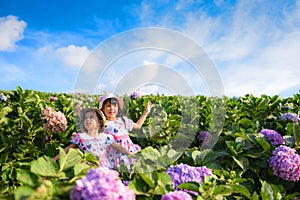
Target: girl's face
(110,110)
(91,121)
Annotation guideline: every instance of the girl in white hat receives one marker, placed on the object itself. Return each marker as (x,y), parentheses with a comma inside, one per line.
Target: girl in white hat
(120,126)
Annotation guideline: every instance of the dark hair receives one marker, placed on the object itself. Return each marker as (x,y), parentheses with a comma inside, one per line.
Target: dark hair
(98,114)
(114,100)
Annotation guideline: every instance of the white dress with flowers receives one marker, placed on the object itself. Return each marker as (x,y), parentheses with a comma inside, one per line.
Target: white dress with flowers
(119,129)
(95,145)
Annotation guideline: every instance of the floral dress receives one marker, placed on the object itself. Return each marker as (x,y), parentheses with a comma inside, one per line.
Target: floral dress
(119,129)
(95,145)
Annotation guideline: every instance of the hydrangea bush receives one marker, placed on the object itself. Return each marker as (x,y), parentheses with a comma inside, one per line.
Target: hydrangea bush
(241,165)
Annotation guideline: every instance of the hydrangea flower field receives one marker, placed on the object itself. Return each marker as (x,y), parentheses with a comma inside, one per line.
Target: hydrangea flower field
(223,148)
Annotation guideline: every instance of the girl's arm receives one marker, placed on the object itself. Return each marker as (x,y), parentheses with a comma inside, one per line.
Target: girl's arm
(120,148)
(72,145)
(142,119)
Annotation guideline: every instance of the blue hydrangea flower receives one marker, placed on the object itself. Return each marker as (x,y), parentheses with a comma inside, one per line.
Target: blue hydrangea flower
(290,117)
(285,163)
(176,195)
(90,99)
(136,94)
(273,136)
(184,173)
(204,135)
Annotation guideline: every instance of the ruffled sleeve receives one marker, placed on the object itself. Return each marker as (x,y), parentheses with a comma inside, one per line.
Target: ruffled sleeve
(76,139)
(128,123)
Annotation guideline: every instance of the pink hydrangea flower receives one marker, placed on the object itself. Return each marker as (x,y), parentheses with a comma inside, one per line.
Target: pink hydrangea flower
(176,195)
(53,98)
(56,122)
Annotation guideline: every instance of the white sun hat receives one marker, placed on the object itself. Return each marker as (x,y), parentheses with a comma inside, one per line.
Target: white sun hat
(102,98)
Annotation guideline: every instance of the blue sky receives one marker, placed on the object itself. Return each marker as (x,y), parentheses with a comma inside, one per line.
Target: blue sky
(254,45)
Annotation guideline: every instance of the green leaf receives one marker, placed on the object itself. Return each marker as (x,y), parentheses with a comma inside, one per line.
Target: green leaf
(149,178)
(138,187)
(19,90)
(223,190)
(296,133)
(193,186)
(266,191)
(26,177)
(242,162)
(255,196)
(26,119)
(45,191)
(242,190)
(23,192)
(66,161)
(164,183)
(231,145)
(30,99)
(247,123)
(89,157)
(81,168)
(262,141)
(4,111)
(44,166)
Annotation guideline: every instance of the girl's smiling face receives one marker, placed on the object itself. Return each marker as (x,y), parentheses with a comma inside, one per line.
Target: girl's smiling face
(110,109)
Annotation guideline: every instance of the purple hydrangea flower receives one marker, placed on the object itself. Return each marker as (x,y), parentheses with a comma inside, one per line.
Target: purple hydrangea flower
(285,163)
(234,97)
(126,183)
(90,99)
(53,98)
(136,94)
(176,195)
(184,173)
(101,183)
(290,117)
(273,136)
(287,107)
(204,135)
(3,97)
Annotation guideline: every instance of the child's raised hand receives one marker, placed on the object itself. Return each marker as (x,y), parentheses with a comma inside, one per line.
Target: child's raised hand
(148,107)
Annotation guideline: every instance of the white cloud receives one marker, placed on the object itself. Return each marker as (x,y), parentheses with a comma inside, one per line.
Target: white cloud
(254,44)
(71,56)
(11,31)
(273,71)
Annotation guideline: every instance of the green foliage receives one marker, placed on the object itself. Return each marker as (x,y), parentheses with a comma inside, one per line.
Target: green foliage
(238,154)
